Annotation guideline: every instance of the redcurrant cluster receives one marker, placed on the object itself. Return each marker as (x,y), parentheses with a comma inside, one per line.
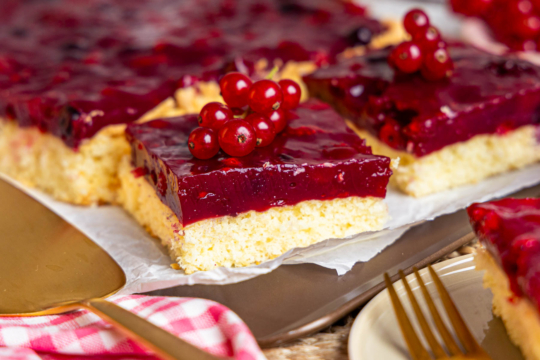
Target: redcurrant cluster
(516,23)
(255,113)
(425,52)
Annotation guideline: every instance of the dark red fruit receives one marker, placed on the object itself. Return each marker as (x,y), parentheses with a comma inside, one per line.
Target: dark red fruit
(265,96)
(406,57)
(235,89)
(526,26)
(279,118)
(428,39)
(237,138)
(471,7)
(390,134)
(214,115)
(264,129)
(437,65)
(415,21)
(291,94)
(203,143)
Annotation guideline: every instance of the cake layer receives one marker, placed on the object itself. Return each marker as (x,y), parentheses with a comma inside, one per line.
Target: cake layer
(487,94)
(510,231)
(87,176)
(519,315)
(251,237)
(315,158)
(462,163)
(71,68)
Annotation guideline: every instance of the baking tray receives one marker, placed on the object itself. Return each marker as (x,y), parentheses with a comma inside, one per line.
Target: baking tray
(297,300)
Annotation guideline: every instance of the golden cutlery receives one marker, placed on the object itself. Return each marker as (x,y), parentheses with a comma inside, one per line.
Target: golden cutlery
(471,348)
(49,267)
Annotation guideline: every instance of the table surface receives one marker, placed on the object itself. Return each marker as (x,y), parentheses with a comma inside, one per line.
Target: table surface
(331,343)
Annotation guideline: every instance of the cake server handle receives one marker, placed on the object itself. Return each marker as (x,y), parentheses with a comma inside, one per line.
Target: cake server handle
(163,343)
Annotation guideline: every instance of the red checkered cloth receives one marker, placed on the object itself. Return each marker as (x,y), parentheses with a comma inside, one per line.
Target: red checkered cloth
(204,323)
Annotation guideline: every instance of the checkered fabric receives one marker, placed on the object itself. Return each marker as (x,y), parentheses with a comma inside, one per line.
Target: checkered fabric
(205,324)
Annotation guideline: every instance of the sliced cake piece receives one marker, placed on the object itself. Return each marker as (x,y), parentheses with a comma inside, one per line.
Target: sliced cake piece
(481,121)
(509,231)
(317,180)
(69,71)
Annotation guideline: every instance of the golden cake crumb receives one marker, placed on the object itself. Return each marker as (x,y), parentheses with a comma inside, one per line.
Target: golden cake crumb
(87,176)
(519,315)
(249,238)
(462,163)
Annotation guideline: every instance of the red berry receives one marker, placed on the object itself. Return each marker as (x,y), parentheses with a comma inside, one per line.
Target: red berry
(525,26)
(237,138)
(415,21)
(390,134)
(214,115)
(407,57)
(428,39)
(279,118)
(203,143)
(265,96)
(472,7)
(437,65)
(235,88)
(291,94)
(264,129)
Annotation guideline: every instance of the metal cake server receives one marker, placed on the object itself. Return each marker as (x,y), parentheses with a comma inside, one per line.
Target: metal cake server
(49,267)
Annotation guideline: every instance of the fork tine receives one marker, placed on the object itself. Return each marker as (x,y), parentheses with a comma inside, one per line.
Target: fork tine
(451,345)
(459,325)
(436,348)
(417,350)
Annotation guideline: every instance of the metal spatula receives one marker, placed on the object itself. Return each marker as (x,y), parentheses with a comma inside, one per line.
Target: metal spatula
(49,267)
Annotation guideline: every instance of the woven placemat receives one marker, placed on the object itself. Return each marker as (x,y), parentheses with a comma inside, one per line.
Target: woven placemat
(331,343)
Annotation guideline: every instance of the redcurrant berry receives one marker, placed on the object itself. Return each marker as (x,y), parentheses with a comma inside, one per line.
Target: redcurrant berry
(428,39)
(265,96)
(203,143)
(390,134)
(291,94)
(237,138)
(264,129)
(235,88)
(279,118)
(525,26)
(214,115)
(415,21)
(437,65)
(472,7)
(406,57)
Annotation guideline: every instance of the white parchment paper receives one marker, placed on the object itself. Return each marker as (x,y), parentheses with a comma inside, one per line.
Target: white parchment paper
(147,264)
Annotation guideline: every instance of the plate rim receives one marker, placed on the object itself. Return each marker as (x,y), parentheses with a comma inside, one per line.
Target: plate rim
(352,348)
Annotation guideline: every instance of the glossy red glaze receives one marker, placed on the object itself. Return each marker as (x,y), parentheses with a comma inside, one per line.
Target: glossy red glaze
(315,158)
(510,230)
(485,93)
(73,67)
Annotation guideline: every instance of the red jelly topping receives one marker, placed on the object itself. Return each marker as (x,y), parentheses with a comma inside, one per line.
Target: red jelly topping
(316,157)
(510,230)
(485,94)
(73,67)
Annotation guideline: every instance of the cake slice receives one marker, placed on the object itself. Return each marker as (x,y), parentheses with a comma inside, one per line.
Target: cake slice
(509,231)
(481,121)
(317,180)
(72,74)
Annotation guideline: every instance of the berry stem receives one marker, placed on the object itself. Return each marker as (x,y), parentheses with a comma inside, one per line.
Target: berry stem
(272,73)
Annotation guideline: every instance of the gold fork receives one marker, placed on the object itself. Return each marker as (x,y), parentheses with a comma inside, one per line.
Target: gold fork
(416,349)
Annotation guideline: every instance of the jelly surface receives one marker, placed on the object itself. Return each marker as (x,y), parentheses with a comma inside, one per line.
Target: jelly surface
(487,94)
(510,230)
(73,67)
(315,158)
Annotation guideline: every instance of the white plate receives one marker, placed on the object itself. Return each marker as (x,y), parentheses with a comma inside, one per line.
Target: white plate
(375,334)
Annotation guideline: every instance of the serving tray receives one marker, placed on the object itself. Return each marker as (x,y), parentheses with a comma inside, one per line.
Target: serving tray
(297,300)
